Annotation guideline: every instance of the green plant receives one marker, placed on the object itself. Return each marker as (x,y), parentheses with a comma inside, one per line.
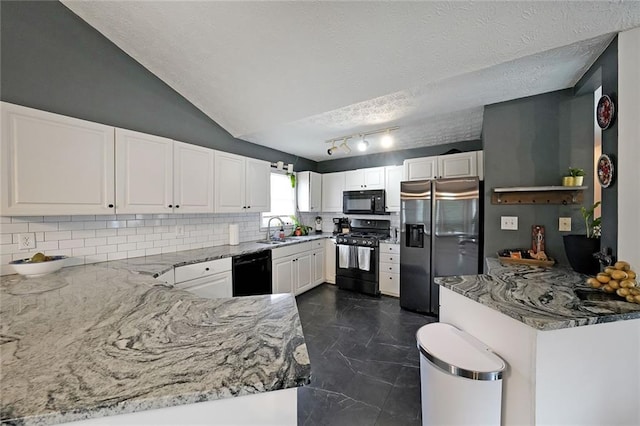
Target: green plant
(292,177)
(592,224)
(576,171)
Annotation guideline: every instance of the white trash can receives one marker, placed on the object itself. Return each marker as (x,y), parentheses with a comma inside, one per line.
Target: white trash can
(461,378)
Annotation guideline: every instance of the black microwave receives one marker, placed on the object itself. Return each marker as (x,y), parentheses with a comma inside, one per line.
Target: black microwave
(363,202)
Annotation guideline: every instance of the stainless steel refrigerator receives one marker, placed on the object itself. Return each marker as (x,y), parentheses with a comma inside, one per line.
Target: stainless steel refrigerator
(439,236)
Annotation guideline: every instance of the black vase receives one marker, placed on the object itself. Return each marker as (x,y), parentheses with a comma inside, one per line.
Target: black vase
(580,251)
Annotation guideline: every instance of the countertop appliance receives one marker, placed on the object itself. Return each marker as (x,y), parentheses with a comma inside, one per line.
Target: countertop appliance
(341,225)
(357,256)
(439,236)
(318,225)
(252,274)
(364,202)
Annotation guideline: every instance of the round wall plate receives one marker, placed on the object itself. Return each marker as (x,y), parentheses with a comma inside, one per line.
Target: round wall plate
(605,170)
(605,112)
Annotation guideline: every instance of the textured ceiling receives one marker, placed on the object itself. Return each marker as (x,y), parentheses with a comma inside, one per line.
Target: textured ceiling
(290,75)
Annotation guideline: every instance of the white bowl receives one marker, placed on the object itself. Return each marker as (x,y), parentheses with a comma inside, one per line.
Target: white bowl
(37,269)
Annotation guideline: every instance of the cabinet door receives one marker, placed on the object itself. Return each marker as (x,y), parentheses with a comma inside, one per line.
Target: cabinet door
(54,165)
(393,177)
(318,266)
(192,178)
(316,192)
(282,275)
(330,261)
(213,287)
(304,272)
(464,164)
(332,187)
(421,168)
(229,183)
(373,178)
(354,180)
(303,191)
(258,186)
(144,173)
(390,284)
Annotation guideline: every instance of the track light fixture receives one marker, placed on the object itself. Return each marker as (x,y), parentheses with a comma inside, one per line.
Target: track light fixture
(363,145)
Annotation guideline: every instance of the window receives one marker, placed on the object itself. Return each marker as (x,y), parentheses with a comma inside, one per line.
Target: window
(283,200)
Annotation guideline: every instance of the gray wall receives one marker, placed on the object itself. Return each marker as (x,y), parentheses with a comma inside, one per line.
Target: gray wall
(54,61)
(532,142)
(394,157)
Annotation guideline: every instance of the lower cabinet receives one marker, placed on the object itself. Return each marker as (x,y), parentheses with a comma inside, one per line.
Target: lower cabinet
(212,279)
(298,268)
(389,269)
(330,261)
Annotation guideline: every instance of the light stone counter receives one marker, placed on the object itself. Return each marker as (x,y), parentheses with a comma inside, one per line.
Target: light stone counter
(543,298)
(105,339)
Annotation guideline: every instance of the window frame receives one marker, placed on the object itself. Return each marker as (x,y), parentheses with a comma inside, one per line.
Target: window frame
(286,218)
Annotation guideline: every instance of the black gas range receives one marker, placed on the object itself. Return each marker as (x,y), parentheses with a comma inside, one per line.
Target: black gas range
(357,255)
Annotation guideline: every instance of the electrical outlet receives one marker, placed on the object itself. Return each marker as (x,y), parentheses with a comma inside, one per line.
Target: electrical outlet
(509,223)
(564,224)
(26,241)
(179,231)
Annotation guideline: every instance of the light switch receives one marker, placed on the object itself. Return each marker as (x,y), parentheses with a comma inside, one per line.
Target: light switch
(509,223)
(564,224)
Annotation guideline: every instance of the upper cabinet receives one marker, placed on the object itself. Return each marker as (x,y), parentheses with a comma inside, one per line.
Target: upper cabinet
(393,177)
(371,178)
(463,164)
(192,178)
(332,186)
(241,184)
(55,165)
(309,191)
(144,173)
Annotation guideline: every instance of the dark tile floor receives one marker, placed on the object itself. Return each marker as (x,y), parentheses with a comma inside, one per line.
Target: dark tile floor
(364,362)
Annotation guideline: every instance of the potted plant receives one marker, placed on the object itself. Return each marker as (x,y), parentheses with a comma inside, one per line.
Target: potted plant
(577,174)
(580,248)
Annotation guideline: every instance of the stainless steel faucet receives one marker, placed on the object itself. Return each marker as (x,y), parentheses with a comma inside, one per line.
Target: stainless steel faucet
(269,236)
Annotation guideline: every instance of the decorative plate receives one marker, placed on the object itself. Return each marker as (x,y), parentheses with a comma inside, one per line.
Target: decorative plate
(605,112)
(605,170)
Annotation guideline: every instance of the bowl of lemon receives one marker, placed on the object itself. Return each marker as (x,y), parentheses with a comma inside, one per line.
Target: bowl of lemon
(38,265)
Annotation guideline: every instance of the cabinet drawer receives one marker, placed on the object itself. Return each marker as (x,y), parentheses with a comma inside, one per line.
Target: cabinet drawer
(390,284)
(389,248)
(391,268)
(317,244)
(390,258)
(202,269)
(288,250)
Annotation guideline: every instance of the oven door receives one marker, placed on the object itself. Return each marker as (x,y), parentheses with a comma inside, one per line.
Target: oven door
(357,268)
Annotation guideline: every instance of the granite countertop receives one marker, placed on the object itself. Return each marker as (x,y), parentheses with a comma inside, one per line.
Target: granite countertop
(543,298)
(105,339)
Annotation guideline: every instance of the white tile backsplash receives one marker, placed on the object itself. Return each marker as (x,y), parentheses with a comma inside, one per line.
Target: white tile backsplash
(90,239)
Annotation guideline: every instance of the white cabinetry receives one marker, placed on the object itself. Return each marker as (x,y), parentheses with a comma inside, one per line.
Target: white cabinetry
(389,269)
(332,187)
(371,178)
(309,191)
(241,184)
(144,173)
(211,279)
(298,267)
(330,260)
(463,164)
(54,165)
(393,177)
(192,178)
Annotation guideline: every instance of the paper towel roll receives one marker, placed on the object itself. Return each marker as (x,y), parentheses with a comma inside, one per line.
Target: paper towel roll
(234,234)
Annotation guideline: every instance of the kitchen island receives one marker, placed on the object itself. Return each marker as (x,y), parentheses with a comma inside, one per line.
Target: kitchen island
(573,353)
(106,339)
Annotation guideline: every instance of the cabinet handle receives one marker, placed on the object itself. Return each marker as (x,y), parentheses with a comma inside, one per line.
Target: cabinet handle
(110,206)
(390,278)
(390,268)
(170,205)
(177,206)
(206,269)
(248,207)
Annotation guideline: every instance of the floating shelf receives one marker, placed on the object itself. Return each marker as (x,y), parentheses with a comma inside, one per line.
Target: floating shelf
(538,195)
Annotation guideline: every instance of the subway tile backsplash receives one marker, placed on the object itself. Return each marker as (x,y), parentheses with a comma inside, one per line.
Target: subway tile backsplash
(91,239)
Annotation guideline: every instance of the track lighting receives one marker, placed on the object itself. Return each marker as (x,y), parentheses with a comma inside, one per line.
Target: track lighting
(363,145)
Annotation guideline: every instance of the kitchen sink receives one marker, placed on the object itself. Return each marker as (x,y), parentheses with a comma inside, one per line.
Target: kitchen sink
(286,240)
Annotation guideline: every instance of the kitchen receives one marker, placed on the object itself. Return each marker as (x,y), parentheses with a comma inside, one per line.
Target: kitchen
(43,71)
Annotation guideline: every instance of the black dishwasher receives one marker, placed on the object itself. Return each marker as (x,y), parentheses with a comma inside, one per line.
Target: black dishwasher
(252,274)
